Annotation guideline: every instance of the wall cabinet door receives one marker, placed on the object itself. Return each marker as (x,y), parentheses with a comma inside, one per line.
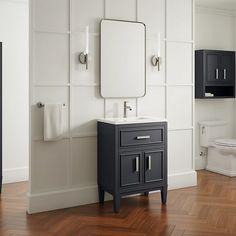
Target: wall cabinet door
(220,67)
(154,166)
(130,169)
(227,68)
(212,67)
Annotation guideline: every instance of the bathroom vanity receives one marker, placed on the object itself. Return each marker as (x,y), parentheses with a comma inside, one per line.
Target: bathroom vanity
(132,157)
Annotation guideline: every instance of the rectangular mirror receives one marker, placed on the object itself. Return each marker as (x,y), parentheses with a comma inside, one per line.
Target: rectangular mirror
(123,59)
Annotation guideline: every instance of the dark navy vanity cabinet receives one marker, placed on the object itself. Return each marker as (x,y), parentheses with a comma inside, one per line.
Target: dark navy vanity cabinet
(214,74)
(132,158)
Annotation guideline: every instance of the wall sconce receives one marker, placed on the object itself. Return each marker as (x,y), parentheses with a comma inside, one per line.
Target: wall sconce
(83,56)
(156,59)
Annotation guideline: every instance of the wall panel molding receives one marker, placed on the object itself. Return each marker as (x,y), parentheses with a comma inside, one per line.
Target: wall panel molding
(84,98)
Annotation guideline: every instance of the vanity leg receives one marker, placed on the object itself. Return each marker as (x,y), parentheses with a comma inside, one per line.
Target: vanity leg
(164,194)
(146,194)
(116,202)
(101,194)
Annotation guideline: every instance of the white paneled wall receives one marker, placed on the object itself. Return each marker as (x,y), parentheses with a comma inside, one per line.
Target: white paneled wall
(58,36)
(51,58)
(180,20)
(121,10)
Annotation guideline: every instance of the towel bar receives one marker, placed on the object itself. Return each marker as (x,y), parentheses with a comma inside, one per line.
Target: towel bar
(40,105)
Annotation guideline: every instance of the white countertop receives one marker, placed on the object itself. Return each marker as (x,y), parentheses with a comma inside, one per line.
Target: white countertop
(132,120)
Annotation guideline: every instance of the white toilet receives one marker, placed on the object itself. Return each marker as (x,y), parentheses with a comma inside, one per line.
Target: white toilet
(221,157)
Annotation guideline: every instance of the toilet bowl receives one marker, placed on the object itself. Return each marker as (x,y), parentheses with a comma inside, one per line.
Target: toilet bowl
(221,155)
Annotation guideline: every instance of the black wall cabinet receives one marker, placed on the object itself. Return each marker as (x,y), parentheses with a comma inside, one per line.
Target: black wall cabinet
(132,159)
(214,74)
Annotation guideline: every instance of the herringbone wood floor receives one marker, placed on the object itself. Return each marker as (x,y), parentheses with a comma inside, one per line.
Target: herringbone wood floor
(206,210)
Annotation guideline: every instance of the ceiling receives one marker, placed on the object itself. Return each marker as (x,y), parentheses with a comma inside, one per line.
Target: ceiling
(218,4)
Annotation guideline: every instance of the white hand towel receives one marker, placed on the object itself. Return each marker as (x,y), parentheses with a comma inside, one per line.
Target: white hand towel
(53,122)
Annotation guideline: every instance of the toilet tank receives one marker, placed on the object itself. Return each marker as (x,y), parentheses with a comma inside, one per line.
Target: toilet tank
(211,130)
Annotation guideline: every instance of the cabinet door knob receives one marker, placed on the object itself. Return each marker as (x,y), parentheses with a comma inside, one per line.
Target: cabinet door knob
(225,74)
(217,73)
(149,162)
(137,164)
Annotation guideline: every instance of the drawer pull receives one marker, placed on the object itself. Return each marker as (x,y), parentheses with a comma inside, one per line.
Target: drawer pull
(137,164)
(149,162)
(143,137)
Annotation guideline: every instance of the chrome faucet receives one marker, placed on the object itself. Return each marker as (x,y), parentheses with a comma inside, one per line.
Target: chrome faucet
(126,107)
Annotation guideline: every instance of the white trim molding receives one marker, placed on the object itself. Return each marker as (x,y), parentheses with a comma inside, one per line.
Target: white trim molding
(15,1)
(80,196)
(15,175)
(62,199)
(221,171)
(215,11)
(182,180)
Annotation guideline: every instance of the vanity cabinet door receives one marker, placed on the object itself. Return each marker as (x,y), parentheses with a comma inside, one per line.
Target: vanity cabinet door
(130,169)
(154,166)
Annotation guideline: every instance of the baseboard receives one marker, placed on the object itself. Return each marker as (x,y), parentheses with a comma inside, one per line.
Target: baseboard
(182,180)
(63,199)
(200,163)
(81,196)
(221,171)
(15,175)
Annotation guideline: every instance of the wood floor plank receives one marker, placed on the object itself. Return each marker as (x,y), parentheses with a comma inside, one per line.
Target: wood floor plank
(209,209)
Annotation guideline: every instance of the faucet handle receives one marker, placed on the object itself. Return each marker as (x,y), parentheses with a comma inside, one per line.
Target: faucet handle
(125,108)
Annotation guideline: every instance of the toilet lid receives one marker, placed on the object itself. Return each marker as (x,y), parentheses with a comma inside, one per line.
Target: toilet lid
(226,142)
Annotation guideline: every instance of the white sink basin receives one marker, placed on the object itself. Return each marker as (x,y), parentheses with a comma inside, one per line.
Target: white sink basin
(131,120)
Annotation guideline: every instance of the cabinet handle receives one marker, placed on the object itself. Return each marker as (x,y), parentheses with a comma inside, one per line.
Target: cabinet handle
(143,137)
(217,73)
(225,74)
(149,162)
(137,164)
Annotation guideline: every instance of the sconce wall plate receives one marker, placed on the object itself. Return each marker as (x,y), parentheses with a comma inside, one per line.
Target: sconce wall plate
(155,60)
(83,59)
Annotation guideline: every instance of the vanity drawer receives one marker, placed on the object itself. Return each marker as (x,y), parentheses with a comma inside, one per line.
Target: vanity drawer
(141,136)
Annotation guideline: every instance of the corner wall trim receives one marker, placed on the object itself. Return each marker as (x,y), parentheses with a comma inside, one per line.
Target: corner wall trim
(15,175)
(81,196)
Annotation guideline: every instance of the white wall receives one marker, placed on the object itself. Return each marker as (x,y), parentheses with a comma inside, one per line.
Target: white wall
(63,173)
(214,29)
(14,35)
